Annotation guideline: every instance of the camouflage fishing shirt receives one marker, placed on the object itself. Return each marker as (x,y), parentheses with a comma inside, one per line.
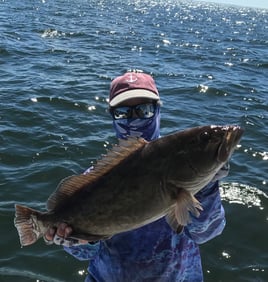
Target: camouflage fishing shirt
(154,252)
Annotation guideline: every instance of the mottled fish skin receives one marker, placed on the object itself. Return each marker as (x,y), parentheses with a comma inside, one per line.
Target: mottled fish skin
(136,183)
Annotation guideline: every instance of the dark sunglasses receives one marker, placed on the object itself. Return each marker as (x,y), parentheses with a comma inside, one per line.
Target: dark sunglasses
(141,111)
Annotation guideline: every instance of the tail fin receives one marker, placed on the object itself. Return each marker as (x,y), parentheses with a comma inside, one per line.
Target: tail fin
(26,224)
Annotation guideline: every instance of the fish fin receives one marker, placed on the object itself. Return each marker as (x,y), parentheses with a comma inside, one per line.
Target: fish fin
(67,187)
(26,225)
(173,223)
(117,154)
(186,203)
(72,184)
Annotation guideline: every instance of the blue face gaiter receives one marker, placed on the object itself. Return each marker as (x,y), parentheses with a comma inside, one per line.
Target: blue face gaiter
(149,129)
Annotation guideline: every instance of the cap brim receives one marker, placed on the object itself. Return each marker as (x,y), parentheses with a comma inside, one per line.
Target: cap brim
(135,93)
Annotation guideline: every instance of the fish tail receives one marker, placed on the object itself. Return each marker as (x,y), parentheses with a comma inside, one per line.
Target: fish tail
(186,203)
(26,223)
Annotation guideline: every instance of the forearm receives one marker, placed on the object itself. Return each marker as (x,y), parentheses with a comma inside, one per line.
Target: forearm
(83,252)
(211,221)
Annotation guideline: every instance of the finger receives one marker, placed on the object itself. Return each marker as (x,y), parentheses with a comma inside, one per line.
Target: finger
(48,242)
(82,242)
(61,229)
(68,230)
(50,234)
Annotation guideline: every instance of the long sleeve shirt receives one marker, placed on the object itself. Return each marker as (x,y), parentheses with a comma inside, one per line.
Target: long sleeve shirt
(155,252)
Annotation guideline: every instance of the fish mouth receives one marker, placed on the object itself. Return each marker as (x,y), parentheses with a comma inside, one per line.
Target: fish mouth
(231,139)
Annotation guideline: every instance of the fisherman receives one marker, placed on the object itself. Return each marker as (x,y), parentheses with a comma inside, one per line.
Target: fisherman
(153,252)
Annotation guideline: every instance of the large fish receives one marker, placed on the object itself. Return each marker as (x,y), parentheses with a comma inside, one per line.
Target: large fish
(136,183)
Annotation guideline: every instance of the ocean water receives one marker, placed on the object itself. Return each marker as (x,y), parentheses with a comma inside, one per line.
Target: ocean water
(57,59)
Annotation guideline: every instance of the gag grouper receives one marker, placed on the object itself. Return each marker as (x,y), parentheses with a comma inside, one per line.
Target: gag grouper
(136,183)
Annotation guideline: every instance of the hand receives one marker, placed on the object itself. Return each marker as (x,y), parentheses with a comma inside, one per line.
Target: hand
(59,236)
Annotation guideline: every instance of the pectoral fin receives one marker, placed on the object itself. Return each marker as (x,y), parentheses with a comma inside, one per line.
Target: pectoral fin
(179,216)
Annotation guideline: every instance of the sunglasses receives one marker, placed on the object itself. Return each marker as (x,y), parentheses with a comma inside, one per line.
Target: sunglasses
(143,111)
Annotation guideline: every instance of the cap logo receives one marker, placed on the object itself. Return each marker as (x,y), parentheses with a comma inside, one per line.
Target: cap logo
(132,78)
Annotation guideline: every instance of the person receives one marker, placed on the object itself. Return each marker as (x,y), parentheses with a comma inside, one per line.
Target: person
(153,252)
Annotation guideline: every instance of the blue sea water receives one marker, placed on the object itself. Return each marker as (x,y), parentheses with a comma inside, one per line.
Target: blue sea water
(57,59)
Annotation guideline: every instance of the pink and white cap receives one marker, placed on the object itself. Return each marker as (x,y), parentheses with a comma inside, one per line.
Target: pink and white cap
(132,85)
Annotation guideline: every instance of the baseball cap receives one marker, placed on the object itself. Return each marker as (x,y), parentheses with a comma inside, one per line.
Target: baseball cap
(132,85)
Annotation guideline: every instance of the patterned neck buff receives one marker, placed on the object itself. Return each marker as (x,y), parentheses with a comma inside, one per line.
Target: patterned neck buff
(149,129)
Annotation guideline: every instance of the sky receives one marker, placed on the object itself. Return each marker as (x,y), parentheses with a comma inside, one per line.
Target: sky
(245,3)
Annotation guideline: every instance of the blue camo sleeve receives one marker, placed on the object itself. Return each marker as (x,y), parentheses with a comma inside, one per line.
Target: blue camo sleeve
(211,221)
(84,252)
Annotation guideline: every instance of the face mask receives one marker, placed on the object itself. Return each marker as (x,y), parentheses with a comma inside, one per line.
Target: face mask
(149,129)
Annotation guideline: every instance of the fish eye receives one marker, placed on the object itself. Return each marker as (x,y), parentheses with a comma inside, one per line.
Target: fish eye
(205,136)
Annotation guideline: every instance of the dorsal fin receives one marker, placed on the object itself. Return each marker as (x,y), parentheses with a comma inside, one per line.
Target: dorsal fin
(114,156)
